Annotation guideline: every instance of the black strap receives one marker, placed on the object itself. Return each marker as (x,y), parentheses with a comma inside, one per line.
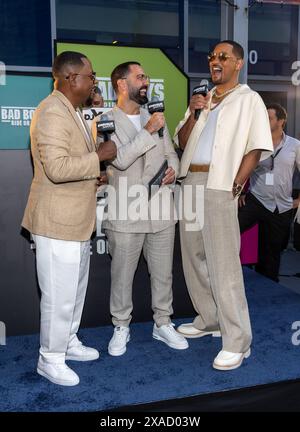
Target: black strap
(277,153)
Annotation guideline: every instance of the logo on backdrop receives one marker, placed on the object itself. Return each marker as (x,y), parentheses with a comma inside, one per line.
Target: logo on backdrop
(296,75)
(156,88)
(16,116)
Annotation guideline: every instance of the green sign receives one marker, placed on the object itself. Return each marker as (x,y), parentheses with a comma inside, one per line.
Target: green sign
(167,82)
(18,99)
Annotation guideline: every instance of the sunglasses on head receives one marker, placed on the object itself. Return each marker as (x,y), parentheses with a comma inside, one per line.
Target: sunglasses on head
(222,56)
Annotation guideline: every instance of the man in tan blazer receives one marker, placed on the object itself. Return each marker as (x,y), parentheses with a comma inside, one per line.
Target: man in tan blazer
(221,149)
(141,152)
(60,213)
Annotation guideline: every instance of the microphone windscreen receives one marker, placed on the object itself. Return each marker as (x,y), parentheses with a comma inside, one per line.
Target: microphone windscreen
(204,82)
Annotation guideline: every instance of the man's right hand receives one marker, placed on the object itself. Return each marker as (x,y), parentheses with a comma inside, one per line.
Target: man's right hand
(198,102)
(107,151)
(156,122)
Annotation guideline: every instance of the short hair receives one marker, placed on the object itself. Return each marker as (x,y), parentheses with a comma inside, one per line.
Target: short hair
(121,71)
(67,58)
(237,49)
(280,112)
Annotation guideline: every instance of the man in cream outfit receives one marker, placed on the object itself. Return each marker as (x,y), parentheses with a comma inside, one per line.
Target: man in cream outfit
(141,153)
(221,149)
(60,213)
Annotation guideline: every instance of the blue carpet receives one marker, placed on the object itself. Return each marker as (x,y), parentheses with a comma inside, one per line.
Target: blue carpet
(150,371)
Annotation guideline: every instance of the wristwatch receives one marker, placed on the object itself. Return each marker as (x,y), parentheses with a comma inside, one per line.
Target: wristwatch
(237,189)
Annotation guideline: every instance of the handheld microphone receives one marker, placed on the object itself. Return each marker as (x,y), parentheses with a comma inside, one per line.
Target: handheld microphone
(157,106)
(105,127)
(202,89)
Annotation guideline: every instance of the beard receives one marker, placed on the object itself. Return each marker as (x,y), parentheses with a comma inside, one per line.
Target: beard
(135,95)
(216,81)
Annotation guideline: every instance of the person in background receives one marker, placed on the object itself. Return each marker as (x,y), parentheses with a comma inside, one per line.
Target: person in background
(95,99)
(269,200)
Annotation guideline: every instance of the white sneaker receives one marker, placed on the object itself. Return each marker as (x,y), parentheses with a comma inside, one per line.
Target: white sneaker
(226,360)
(81,352)
(58,373)
(117,344)
(167,334)
(189,331)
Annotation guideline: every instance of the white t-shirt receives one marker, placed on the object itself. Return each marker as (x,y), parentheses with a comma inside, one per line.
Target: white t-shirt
(203,151)
(136,120)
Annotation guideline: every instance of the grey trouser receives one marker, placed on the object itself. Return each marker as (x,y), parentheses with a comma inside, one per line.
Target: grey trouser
(212,268)
(125,249)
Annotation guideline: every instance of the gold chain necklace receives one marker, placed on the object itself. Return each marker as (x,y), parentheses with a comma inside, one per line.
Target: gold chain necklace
(226,92)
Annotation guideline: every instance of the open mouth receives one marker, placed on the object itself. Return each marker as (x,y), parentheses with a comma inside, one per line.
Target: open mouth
(216,72)
(143,91)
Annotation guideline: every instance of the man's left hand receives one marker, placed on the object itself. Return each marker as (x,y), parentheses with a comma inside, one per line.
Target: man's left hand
(169,177)
(296,203)
(102,180)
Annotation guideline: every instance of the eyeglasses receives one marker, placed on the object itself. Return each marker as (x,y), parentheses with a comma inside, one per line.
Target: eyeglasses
(222,56)
(91,76)
(141,77)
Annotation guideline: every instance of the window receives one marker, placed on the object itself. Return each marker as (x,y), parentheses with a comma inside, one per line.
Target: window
(273,32)
(25,33)
(204,32)
(152,23)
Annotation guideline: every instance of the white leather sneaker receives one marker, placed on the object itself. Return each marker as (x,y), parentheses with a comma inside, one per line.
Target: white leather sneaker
(189,331)
(81,352)
(58,373)
(117,344)
(226,360)
(167,334)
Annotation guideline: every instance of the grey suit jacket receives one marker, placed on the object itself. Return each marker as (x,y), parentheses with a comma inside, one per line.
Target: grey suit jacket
(139,157)
(62,198)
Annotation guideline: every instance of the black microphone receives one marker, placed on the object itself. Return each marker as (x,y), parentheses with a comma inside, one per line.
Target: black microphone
(105,127)
(202,89)
(157,106)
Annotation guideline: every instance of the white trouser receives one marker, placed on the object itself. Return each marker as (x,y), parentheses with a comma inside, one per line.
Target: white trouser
(63,270)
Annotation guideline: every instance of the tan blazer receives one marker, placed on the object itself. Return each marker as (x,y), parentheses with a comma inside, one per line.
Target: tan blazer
(242,125)
(62,198)
(139,157)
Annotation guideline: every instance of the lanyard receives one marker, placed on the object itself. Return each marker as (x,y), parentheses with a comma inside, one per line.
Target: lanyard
(276,154)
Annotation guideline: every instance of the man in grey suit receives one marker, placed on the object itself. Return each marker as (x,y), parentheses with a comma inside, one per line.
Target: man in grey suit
(140,154)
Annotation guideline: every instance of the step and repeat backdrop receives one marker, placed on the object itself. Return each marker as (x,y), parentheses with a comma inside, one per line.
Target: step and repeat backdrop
(19,305)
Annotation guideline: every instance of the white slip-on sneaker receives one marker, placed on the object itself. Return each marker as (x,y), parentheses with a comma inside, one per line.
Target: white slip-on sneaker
(58,373)
(167,334)
(227,360)
(81,352)
(189,331)
(117,344)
